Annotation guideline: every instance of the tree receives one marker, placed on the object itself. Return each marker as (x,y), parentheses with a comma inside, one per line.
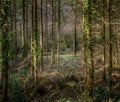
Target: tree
(34,38)
(24,30)
(41,35)
(4,11)
(104,40)
(58,34)
(110,46)
(53,35)
(14,29)
(27,31)
(88,45)
(46,28)
(75,30)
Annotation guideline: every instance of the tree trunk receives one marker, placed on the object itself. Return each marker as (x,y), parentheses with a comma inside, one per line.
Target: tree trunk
(46,29)
(75,29)
(58,34)
(88,44)
(41,35)
(104,41)
(4,48)
(24,31)
(34,38)
(110,46)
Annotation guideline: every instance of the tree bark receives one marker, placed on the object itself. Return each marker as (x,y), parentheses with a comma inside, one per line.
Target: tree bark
(4,48)
(58,34)
(34,38)
(41,35)
(110,46)
(104,41)
(88,45)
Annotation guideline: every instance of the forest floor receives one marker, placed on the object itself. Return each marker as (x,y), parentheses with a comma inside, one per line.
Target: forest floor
(65,85)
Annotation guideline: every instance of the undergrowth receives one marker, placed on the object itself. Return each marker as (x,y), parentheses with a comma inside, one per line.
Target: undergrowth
(67,85)
(58,88)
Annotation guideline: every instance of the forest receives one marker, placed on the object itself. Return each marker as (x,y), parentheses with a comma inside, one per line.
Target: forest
(59,50)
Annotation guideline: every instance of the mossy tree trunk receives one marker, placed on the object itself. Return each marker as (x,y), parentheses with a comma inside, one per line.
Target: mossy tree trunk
(88,45)
(34,39)
(4,4)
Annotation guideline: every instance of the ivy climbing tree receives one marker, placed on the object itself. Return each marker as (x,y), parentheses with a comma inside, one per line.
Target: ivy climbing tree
(4,31)
(88,50)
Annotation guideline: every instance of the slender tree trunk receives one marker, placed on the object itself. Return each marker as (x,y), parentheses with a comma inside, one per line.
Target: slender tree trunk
(85,48)
(104,41)
(52,36)
(41,35)
(110,46)
(58,34)
(46,28)
(116,42)
(34,38)
(12,28)
(24,31)
(27,34)
(75,29)
(15,29)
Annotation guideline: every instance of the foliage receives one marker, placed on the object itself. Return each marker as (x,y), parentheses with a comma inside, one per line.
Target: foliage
(16,88)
